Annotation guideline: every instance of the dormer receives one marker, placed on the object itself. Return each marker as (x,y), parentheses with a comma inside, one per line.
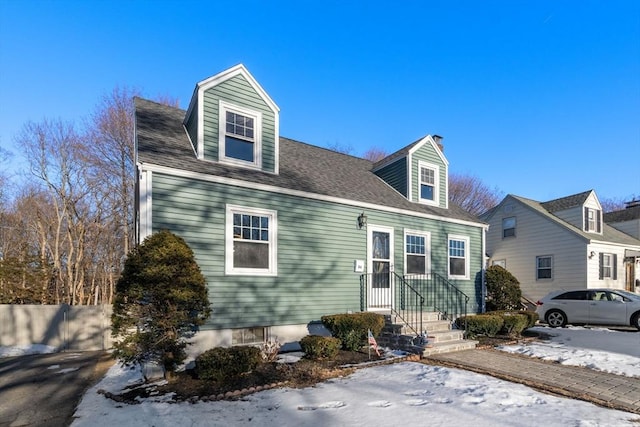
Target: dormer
(232,120)
(419,172)
(582,210)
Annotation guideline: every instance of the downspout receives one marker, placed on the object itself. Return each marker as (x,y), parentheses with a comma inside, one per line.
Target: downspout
(484,268)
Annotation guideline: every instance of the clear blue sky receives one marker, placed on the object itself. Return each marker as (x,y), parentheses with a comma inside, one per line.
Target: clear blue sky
(538,98)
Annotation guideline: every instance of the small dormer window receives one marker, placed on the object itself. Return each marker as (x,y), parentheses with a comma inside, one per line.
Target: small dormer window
(240,135)
(429,181)
(592,220)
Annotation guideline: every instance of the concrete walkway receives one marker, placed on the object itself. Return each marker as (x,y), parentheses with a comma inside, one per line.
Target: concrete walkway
(608,390)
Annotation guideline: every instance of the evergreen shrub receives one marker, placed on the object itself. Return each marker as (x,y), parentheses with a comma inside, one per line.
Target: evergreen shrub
(319,347)
(222,364)
(351,328)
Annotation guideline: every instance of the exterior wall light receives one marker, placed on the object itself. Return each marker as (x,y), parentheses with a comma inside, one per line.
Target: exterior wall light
(362,220)
(592,254)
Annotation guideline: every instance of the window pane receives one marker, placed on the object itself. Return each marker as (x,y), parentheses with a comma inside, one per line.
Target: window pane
(416,264)
(544,262)
(544,274)
(426,192)
(239,149)
(456,266)
(380,245)
(250,255)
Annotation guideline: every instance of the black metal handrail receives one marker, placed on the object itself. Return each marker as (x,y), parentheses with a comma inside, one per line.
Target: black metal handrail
(405,302)
(440,295)
(413,295)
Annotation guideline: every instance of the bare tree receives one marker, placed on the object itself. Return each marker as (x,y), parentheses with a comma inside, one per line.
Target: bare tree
(471,194)
(375,154)
(340,148)
(616,204)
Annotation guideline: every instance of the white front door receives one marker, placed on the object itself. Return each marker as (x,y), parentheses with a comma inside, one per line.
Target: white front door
(380,267)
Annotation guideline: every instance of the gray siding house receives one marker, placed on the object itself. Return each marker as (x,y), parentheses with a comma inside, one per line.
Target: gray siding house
(560,244)
(286,232)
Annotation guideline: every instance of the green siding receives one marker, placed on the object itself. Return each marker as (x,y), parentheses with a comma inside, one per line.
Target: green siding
(192,128)
(395,175)
(427,154)
(317,244)
(238,91)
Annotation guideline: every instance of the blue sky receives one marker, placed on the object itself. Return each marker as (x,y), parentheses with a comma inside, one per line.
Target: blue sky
(537,98)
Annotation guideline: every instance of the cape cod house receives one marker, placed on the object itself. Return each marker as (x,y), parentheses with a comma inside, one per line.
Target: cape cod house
(286,232)
(560,244)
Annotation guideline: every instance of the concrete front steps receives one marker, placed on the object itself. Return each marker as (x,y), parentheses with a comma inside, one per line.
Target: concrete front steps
(441,338)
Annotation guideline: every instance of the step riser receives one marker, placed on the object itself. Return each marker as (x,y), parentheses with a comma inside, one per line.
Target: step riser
(441,338)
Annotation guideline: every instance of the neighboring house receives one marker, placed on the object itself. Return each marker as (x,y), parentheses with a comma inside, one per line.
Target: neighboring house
(560,244)
(287,232)
(626,220)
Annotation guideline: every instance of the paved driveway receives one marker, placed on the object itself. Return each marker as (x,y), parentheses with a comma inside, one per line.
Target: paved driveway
(44,389)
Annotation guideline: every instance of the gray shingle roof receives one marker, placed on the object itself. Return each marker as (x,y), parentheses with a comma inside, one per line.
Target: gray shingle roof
(162,141)
(568,202)
(609,234)
(627,214)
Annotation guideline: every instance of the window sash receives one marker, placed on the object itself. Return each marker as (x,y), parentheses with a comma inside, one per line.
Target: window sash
(458,257)
(509,227)
(544,267)
(251,241)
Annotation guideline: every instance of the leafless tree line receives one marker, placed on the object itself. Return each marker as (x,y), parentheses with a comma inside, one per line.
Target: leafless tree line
(66,230)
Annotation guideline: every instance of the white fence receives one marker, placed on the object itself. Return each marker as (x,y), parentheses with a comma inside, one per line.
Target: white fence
(65,327)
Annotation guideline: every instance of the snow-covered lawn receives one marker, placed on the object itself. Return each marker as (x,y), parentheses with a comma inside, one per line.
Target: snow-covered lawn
(405,393)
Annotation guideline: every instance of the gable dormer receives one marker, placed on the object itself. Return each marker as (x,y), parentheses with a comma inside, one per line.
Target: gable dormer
(232,120)
(420,172)
(582,210)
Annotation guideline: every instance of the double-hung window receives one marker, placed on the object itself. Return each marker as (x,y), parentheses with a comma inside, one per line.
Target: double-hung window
(250,241)
(240,135)
(608,266)
(592,218)
(429,182)
(544,267)
(416,253)
(458,257)
(509,227)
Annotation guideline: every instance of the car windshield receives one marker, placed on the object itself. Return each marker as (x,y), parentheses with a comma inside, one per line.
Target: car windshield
(630,295)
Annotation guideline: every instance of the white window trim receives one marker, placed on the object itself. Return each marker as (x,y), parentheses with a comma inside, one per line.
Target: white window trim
(427,248)
(273,242)
(536,270)
(436,183)
(467,263)
(223,107)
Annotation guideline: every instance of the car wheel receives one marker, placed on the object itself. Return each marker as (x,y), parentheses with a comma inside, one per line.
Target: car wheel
(635,321)
(556,319)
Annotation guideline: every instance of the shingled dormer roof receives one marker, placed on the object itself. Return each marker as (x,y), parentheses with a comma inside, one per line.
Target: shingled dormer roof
(163,142)
(568,202)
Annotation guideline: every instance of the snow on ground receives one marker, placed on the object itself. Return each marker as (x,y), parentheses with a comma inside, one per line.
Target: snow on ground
(617,352)
(404,393)
(22,350)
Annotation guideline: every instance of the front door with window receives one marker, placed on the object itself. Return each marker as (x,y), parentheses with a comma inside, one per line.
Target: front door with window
(380,267)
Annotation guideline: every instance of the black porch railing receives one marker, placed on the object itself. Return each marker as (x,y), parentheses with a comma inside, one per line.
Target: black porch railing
(440,295)
(409,296)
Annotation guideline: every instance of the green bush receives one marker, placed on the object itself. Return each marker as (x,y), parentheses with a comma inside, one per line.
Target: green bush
(351,329)
(161,299)
(319,347)
(503,289)
(514,323)
(222,364)
(481,324)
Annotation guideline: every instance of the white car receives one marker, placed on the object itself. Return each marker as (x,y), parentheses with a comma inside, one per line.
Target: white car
(590,306)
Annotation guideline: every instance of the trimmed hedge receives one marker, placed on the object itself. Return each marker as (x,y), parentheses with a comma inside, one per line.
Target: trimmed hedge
(351,328)
(319,347)
(222,364)
(498,323)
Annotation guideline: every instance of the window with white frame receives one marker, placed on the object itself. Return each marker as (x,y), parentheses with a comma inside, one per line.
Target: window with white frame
(250,241)
(458,257)
(592,220)
(544,267)
(247,336)
(416,253)
(500,263)
(608,266)
(240,135)
(509,227)
(429,181)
